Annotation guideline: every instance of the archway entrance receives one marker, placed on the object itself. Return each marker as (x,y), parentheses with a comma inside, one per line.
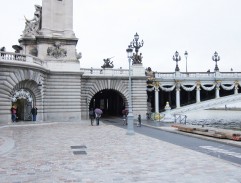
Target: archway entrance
(23,100)
(110,101)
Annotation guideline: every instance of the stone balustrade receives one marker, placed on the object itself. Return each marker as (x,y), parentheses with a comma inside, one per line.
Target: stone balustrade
(10,56)
(195,75)
(105,72)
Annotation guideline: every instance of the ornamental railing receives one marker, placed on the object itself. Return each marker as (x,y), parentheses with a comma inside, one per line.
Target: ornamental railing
(105,72)
(196,75)
(9,56)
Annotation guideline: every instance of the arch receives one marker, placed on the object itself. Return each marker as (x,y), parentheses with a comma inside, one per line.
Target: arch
(112,102)
(118,85)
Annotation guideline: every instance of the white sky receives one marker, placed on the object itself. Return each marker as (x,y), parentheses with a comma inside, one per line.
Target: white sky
(106,27)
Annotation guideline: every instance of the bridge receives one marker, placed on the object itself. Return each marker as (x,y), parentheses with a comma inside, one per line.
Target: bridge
(68,95)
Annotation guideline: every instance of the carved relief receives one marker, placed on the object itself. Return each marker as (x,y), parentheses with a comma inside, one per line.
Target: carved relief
(55,51)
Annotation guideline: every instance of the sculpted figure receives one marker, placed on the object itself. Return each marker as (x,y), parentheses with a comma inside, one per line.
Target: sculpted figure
(107,63)
(34,25)
(137,59)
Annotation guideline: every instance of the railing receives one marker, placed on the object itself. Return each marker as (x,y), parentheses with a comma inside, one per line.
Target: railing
(9,56)
(105,72)
(196,75)
(180,118)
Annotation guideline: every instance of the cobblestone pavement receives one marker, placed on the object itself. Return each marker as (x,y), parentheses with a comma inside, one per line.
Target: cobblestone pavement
(78,152)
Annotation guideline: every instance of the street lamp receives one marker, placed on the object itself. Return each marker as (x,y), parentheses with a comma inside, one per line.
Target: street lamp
(216,58)
(130,117)
(135,44)
(186,55)
(176,57)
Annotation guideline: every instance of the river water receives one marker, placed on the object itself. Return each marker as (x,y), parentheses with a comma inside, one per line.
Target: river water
(225,119)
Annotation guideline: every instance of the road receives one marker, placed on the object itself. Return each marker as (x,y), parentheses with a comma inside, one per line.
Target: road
(216,149)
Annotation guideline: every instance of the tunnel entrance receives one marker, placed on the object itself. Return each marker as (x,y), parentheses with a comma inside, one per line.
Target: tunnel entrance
(111,102)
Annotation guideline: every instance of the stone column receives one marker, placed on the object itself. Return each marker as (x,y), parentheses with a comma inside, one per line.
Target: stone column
(157,99)
(236,88)
(217,90)
(198,93)
(178,95)
(46,17)
(68,29)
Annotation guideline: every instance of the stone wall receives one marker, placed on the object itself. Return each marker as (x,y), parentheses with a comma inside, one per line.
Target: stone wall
(62,97)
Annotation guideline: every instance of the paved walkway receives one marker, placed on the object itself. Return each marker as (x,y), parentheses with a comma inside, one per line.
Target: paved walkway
(78,152)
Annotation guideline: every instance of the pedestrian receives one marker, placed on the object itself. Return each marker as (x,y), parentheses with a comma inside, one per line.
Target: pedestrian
(139,120)
(34,112)
(13,113)
(92,116)
(97,117)
(125,112)
(124,119)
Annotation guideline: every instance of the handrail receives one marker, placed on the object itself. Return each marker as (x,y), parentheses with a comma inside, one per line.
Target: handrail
(10,56)
(180,118)
(105,72)
(196,75)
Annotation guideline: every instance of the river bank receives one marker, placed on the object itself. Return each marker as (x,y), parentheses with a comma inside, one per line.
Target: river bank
(225,119)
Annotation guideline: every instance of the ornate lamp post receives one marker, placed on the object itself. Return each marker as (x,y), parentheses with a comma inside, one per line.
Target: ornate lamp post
(137,59)
(216,58)
(186,55)
(135,44)
(130,127)
(176,57)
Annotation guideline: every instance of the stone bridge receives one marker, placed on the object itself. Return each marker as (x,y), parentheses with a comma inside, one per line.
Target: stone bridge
(67,95)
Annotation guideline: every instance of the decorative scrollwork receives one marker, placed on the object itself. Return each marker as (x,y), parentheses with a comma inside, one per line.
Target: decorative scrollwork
(188,88)
(22,94)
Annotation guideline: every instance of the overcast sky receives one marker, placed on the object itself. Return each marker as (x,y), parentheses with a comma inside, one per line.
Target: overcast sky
(106,27)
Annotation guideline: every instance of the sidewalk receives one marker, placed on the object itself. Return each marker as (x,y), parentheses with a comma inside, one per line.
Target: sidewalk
(78,152)
(167,127)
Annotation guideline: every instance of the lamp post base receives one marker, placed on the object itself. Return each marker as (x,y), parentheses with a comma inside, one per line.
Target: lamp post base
(130,126)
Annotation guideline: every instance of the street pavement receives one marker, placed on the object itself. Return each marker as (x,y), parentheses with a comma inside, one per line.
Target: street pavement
(78,152)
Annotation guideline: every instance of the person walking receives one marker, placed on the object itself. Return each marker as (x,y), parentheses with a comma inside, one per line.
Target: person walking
(139,120)
(13,113)
(92,116)
(97,117)
(34,112)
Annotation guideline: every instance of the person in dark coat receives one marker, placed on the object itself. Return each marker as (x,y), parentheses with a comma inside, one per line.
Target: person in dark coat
(92,116)
(34,112)
(139,120)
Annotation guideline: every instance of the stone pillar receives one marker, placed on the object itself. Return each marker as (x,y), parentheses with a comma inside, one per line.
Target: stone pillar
(68,30)
(178,95)
(217,90)
(57,18)
(198,93)
(157,99)
(236,88)
(46,17)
